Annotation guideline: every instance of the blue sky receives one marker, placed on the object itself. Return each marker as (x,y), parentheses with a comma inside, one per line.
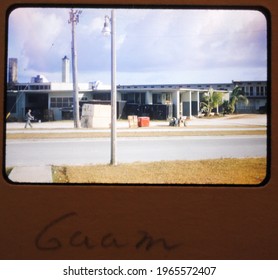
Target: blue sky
(154,46)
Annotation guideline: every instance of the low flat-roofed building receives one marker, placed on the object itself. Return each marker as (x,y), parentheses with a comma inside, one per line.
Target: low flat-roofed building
(159,101)
(256,92)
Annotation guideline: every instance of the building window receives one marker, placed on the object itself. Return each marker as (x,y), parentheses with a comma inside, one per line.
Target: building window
(134,97)
(61,102)
(130,98)
(137,98)
(251,91)
(101,96)
(262,91)
(257,90)
(143,97)
(157,98)
(168,97)
(124,97)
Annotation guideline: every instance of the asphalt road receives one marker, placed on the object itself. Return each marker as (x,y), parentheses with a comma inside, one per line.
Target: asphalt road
(145,149)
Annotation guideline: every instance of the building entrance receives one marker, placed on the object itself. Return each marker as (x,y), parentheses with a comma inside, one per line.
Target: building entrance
(38,103)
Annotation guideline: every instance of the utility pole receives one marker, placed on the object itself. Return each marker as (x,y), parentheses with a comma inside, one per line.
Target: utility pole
(74,19)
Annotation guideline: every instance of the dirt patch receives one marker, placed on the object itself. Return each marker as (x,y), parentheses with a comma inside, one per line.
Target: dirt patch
(59,174)
(251,171)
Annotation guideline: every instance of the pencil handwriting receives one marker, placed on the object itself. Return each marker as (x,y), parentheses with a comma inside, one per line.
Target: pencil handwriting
(59,233)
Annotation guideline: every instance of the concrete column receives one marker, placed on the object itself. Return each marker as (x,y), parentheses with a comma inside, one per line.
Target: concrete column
(198,102)
(118,98)
(176,102)
(190,104)
(48,106)
(149,97)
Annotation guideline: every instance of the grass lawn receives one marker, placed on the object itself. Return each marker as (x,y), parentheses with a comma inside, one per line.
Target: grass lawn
(251,171)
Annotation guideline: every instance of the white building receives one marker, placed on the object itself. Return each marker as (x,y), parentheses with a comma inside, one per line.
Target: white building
(156,101)
(256,92)
(54,101)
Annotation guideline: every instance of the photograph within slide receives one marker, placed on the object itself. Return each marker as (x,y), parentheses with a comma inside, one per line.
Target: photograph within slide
(137,96)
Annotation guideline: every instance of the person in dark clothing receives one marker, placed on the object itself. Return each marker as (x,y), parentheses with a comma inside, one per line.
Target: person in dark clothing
(28,118)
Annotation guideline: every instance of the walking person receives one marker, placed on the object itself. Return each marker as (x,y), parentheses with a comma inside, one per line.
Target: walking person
(28,118)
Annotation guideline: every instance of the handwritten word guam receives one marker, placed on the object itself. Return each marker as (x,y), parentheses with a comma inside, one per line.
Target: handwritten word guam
(48,238)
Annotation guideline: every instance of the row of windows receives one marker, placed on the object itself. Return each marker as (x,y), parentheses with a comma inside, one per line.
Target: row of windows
(166,86)
(134,97)
(61,102)
(249,83)
(140,97)
(256,91)
(178,86)
(220,87)
(33,87)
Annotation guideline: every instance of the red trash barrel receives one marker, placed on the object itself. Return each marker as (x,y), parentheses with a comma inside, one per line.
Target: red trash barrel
(143,121)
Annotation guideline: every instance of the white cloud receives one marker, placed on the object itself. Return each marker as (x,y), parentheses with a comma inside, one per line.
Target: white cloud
(152,45)
(233,39)
(37,37)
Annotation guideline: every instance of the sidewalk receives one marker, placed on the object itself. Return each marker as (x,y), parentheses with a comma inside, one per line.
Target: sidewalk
(229,122)
(31,174)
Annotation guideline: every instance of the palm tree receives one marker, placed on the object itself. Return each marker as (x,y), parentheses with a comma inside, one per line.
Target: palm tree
(236,96)
(212,99)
